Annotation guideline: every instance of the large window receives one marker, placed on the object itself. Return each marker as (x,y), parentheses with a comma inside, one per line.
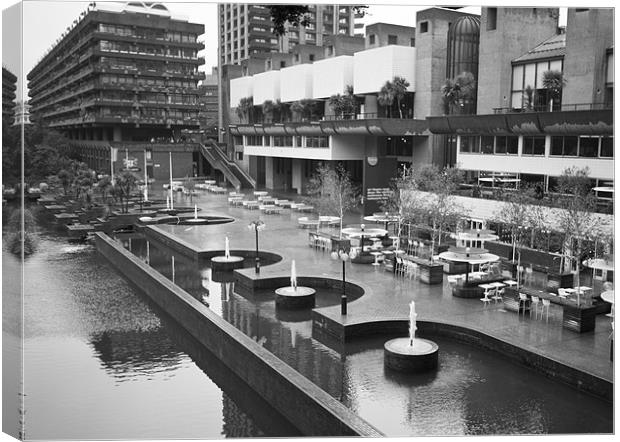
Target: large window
(588,147)
(607,147)
(470,144)
(254,140)
(486,144)
(564,146)
(283,141)
(318,141)
(507,145)
(531,75)
(534,146)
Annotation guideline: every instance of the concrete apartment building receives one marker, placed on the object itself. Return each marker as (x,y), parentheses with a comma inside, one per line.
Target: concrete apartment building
(246,30)
(9,86)
(123,77)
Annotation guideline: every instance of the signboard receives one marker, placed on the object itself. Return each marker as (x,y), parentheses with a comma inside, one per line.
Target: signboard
(377,193)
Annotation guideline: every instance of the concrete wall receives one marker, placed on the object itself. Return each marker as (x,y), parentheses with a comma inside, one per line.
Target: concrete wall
(310,409)
(332,76)
(373,67)
(589,33)
(296,83)
(431,53)
(381,31)
(517,31)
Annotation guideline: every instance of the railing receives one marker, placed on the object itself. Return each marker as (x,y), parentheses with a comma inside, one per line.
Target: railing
(545,108)
(362,116)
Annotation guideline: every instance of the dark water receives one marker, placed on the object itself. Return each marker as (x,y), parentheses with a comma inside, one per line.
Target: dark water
(101,363)
(474,392)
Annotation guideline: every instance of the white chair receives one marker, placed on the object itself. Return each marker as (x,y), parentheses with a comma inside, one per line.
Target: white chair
(522,300)
(412,269)
(562,293)
(499,294)
(488,295)
(400,267)
(535,304)
(546,303)
(529,275)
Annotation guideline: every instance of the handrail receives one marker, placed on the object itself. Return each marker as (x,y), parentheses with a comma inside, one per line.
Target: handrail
(564,107)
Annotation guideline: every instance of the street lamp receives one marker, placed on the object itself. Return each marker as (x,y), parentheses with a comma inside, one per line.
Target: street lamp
(257,225)
(344,257)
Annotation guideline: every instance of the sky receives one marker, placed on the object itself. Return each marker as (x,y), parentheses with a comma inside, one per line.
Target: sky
(45,20)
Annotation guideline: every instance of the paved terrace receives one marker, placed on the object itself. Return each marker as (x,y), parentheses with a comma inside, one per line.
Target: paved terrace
(387,296)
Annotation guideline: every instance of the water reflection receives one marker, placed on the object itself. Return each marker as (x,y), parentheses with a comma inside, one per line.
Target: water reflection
(87,333)
(473,392)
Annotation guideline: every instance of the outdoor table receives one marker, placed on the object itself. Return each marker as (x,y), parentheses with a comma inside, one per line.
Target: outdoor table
(211,182)
(260,193)
(608,296)
(486,287)
(377,255)
(510,283)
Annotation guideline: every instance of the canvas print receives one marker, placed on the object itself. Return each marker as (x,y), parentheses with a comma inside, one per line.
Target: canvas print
(240,220)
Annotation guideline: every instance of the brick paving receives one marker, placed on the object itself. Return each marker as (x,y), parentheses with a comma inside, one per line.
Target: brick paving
(388,296)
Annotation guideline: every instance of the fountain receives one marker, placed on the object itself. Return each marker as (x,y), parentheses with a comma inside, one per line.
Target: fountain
(294,296)
(411,354)
(227,262)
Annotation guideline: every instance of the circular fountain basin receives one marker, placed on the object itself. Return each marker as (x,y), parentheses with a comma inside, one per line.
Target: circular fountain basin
(290,297)
(421,357)
(204,220)
(226,264)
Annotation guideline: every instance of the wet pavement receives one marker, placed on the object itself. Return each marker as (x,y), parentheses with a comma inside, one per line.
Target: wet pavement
(388,296)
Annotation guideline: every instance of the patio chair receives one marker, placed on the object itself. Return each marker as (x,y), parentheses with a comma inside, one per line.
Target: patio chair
(499,293)
(522,300)
(546,304)
(535,304)
(488,296)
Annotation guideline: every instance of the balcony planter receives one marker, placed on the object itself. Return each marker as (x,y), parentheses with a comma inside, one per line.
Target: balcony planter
(579,319)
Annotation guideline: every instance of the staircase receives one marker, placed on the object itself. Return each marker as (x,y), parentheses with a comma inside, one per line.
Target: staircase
(232,172)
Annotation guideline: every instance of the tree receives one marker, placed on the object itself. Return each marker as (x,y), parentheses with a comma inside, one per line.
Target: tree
(268,109)
(343,105)
(305,109)
(104,185)
(576,220)
(437,207)
(245,109)
(66,178)
(399,86)
(458,92)
(83,182)
(385,98)
(553,82)
(295,15)
(332,192)
(125,184)
(515,215)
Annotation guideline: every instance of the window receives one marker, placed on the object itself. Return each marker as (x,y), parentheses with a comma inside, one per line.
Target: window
(296,57)
(423,27)
(239,156)
(311,57)
(392,40)
(588,147)
(298,141)
(371,39)
(283,64)
(330,50)
(486,144)
(533,145)
(607,147)
(470,144)
(254,140)
(319,141)
(491,19)
(266,140)
(412,42)
(564,146)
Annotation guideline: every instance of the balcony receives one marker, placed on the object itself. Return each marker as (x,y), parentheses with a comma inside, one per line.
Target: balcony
(591,119)
(368,125)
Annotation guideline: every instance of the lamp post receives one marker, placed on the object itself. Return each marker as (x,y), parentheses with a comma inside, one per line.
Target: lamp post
(344,257)
(257,225)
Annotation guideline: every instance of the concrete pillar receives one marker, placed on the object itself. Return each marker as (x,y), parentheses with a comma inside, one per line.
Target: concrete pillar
(116,134)
(298,175)
(269,173)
